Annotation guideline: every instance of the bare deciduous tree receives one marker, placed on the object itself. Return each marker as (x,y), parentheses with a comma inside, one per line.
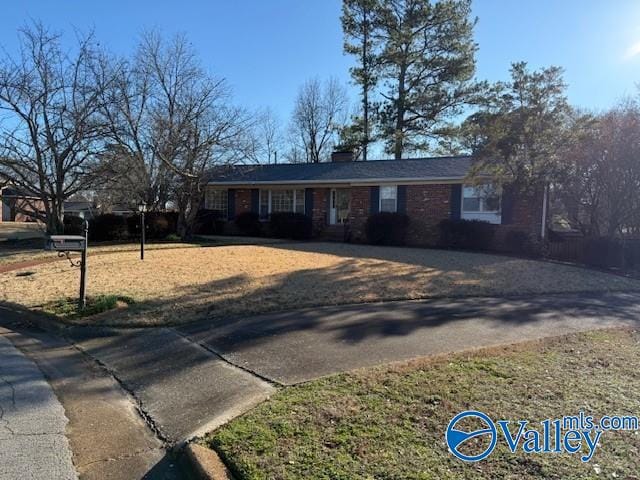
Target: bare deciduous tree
(52,132)
(267,140)
(175,122)
(318,115)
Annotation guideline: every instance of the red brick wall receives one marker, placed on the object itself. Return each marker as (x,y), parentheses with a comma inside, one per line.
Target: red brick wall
(526,216)
(427,205)
(360,199)
(243,201)
(320,208)
(21,208)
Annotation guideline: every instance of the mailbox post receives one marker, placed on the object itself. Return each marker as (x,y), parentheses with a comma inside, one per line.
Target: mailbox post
(64,245)
(82,301)
(142,207)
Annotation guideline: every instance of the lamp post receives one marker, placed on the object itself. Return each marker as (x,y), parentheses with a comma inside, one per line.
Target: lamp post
(142,207)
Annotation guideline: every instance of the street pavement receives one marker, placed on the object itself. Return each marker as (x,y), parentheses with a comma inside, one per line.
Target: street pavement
(301,345)
(33,444)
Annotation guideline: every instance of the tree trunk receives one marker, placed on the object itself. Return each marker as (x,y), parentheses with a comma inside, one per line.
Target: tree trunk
(398,146)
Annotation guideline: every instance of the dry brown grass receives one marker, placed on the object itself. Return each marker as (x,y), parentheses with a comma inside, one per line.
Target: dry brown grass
(181,285)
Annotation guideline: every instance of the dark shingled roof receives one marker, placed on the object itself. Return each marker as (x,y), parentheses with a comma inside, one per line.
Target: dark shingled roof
(437,168)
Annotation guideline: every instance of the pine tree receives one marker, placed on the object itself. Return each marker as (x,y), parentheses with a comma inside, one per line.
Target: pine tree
(359,18)
(426,65)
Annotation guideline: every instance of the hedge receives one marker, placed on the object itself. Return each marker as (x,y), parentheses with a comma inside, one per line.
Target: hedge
(386,228)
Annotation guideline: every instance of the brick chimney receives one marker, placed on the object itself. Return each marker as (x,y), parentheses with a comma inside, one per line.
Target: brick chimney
(342,156)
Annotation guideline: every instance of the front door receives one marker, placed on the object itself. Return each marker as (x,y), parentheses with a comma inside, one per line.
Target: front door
(339,205)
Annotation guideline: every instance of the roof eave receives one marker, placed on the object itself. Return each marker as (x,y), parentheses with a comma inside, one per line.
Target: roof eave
(348,181)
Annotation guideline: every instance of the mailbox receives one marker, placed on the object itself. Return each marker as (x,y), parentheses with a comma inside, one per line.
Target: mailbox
(66,243)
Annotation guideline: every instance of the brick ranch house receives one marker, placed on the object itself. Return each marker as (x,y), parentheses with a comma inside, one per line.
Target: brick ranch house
(342,194)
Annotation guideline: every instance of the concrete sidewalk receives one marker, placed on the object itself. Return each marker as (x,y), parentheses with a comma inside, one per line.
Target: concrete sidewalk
(32,422)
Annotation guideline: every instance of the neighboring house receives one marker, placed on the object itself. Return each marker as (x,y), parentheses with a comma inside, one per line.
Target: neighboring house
(343,194)
(79,208)
(121,209)
(19,205)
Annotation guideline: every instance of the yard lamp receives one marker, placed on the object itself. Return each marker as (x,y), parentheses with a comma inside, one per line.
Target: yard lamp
(142,207)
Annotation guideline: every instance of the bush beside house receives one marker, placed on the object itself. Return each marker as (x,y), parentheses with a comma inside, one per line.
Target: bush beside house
(386,228)
(248,223)
(294,226)
(466,234)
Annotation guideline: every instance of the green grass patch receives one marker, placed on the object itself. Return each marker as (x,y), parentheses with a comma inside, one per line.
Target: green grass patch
(389,422)
(67,308)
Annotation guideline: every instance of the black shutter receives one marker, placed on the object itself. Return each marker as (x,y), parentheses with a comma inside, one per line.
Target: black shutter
(402,199)
(506,206)
(456,201)
(374,200)
(308,202)
(328,206)
(255,200)
(231,204)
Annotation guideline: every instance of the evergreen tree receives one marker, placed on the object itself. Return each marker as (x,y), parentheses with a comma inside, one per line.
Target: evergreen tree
(426,65)
(359,24)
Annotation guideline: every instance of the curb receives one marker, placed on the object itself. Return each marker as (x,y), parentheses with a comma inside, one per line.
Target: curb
(205,463)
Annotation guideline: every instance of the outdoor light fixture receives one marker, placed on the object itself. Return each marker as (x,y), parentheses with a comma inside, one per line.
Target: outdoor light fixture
(142,207)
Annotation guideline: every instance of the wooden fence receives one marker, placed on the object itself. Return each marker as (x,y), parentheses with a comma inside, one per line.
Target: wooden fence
(603,252)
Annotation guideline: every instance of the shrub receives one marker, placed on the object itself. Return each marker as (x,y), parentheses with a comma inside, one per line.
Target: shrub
(296,226)
(386,228)
(466,234)
(157,224)
(248,223)
(516,241)
(209,222)
(73,225)
(108,227)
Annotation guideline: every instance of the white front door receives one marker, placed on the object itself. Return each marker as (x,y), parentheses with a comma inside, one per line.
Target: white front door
(339,203)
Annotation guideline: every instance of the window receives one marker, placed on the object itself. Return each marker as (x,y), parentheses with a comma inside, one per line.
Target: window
(272,201)
(389,199)
(216,199)
(264,204)
(480,199)
(281,201)
(481,203)
(299,201)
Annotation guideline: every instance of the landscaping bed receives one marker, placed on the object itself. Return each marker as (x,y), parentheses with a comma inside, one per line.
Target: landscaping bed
(390,422)
(177,285)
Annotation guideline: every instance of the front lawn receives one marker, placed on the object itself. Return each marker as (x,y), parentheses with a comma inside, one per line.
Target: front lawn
(176,285)
(389,422)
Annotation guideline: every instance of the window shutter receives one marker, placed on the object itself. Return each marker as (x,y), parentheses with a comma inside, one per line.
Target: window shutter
(308,202)
(328,206)
(456,201)
(231,204)
(402,199)
(374,200)
(506,206)
(255,200)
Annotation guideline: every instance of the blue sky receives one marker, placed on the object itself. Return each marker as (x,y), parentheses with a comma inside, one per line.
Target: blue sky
(267,48)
